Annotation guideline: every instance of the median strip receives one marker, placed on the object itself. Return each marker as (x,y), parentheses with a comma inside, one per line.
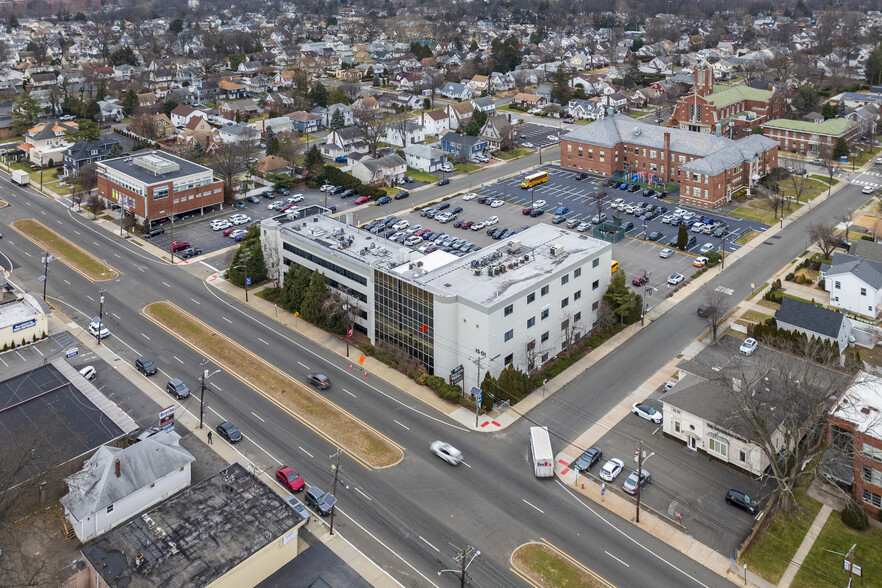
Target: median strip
(72,255)
(543,566)
(324,417)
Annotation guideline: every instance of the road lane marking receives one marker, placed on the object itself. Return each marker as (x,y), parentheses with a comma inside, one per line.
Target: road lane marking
(429,544)
(350,393)
(116,316)
(257,417)
(265,343)
(304,451)
(43,212)
(179,359)
(405,426)
(66,282)
(196,301)
(59,222)
(117,255)
(167,285)
(300,362)
(76,231)
(145,336)
(617,559)
(368,497)
(536,507)
(141,269)
(96,243)
(90,298)
(226,319)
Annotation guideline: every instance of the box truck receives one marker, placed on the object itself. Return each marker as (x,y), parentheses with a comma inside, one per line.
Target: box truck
(540,447)
(22,178)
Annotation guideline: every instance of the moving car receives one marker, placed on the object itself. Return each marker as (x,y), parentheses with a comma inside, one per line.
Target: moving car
(88,372)
(447,452)
(228,431)
(630,484)
(867,190)
(588,458)
(289,479)
(742,500)
(145,365)
(443,181)
(611,469)
(177,388)
(320,381)
(645,411)
(322,501)
(675,279)
(748,347)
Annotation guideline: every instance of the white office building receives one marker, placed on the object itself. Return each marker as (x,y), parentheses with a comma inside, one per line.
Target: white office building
(522,300)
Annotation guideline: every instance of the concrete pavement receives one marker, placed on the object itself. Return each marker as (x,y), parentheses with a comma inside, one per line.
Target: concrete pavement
(805,547)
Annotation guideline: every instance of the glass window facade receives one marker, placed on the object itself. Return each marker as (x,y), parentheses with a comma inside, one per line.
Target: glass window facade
(404,318)
(332,267)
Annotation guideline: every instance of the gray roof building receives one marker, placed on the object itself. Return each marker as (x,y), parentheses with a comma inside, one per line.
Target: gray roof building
(865,269)
(810,317)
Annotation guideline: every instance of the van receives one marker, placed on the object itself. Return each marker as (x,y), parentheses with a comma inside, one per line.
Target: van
(614,266)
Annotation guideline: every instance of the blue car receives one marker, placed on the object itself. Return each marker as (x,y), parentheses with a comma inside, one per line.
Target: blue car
(341,159)
(562,210)
(383,200)
(623,186)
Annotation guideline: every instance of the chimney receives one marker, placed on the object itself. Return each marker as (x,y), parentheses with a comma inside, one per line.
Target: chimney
(116,467)
(667,156)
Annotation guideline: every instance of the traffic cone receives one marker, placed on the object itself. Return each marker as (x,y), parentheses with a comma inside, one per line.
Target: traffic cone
(365,373)
(350,365)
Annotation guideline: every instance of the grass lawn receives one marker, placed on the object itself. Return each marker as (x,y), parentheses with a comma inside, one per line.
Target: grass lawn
(49,174)
(747,237)
(755,214)
(506,156)
(341,428)
(810,190)
(638,115)
(421,176)
(547,568)
(772,551)
(755,316)
(786,295)
(822,568)
(466,168)
(68,253)
(769,304)
(825,179)
(865,156)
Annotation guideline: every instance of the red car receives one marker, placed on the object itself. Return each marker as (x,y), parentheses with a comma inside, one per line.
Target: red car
(180,246)
(421,232)
(639,280)
(290,479)
(466,224)
(361,199)
(527,210)
(228,231)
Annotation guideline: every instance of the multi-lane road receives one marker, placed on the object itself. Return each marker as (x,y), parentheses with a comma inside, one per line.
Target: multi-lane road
(411,518)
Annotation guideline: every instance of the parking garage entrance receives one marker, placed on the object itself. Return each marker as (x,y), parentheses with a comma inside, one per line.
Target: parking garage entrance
(612,232)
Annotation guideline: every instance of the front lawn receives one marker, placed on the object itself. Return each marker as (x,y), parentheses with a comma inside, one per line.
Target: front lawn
(509,155)
(747,237)
(825,179)
(421,176)
(466,168)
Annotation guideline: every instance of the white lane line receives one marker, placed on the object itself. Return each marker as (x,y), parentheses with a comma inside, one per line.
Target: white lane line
(37,349)
(265,343)
(96,243)
(117,255)
(226,319)
(617,559)
(429,544)
(363,494)
(218,388)
(145,336)
(66,282)
(405,426)
(76,231)
(116,316)
(465,464)
(350,393)
(90,298)
(303,364)
(28,254)
(178,358)
(304,451)
(166,284)
(257,417)
(536,507)
(59,222)
(142,269)
(42,212)
(196,301)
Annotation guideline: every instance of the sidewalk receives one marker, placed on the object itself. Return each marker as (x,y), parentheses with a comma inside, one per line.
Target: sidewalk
(805,547)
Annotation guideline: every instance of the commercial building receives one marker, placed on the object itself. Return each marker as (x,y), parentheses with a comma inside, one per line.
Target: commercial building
(519,301)
(155,185)
(23,318)
(710,169)
(811,138)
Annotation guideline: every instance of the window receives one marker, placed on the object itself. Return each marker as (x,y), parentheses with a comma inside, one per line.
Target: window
(742,456)
(509,358)
(836,285)
(531,322)
(578,272)
(564,279)
(863,291)
(676,426)
(872,452)
(591,154)
(595,305)
(718,446)
(509,309)
(544,337)
(565,302)
(595,284)
(580,152)
(544,290)
(871,498)
(159,193)
(871,475)
(544,314)
(564,325)
(595,263)
(577,317)
(110,509)
(531,297)
(577,295)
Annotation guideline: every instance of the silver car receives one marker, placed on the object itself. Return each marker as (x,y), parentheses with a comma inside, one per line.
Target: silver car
(447,452)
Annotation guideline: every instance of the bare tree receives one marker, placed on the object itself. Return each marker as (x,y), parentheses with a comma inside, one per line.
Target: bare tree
(230,160)
(824,236)
(597,198)
(399,125)
(831,167)
(521,79)
(351,90)
(84,180)
(799,183)
(606,316)
(370,125)
(40,46)
(571,328)
(532,354)
(507,133)
(714,307)
(144,125)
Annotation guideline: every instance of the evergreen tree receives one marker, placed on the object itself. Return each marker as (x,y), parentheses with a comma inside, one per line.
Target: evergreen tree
(25,113)
(256,264)
(560,89)
(294,287)
(489,390)
(314,298)
(272,142)
(472,128)
(337,96)
(828,111)
(840,149)
(86,130)
(620,296)
(873,67)
(314,161)
(682,236)
(513,382)
(319,95)
(840,112)
(236,273)
(338,121)
(480,117)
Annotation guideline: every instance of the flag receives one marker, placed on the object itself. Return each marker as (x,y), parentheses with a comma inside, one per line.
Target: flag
(424,328)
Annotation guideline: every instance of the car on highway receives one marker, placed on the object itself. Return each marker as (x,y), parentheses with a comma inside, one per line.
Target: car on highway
(496,203)
(88,372)
(630,483)
(443,181)
(446,451)
(675,279)
(177,388)
(383,200)
(320,381)
(611,469)
(145,365)
(645,411)
(362,199)
(320,500)
(867,190)
(748,347)
(742,500)
(290,479)
(700,261)
(588,458)
(228,431)
(666,253)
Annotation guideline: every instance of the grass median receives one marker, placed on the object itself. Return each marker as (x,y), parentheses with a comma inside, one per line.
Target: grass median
(65,251)
(333,422)
(546,567)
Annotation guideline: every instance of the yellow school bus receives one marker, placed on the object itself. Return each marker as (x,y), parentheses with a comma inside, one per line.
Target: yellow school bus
(534,179)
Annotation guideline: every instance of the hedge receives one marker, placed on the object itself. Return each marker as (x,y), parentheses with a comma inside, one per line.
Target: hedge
(333,175)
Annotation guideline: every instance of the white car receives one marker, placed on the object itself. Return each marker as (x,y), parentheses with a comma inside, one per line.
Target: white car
(491,221)
(539,204)
(94,331)
(413,240)
(688,215)
(748,347)
(675,279)
(447,452)
(496,203)
(645,411)
(413,229)
(469,196)
(552,137)
(867,190)
(706,248)
(527,145)
(295,198)
(88,372)
(616,202)
(221,225)
(666,253)
(696,228)
(630,209)
(242,220)
(275,205)
(237,233)
(666,219)
(478,226)
(401,225)
(423,248)
(611,469)
(583,227)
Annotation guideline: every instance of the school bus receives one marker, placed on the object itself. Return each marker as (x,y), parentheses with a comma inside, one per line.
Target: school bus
(534,179)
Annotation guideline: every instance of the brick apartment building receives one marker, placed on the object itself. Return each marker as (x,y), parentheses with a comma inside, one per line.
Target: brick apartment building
(855,435)
(710,169)
(811,138)
(733,110)
(155,185)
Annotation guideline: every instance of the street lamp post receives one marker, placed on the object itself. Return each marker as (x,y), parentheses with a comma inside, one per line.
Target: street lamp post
(46,258)
(243,266)
(100,315)
(205,376)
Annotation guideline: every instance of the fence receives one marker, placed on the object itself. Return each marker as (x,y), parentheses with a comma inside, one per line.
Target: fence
(759,526)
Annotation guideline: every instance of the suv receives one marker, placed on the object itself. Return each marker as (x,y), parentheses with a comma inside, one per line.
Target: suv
(145,365)
(320,381)
(177,388)
(323,502)
(742,500)
(703,310)
(154,233)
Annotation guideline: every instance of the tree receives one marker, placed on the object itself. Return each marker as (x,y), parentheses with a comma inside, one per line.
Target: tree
(314,162)
(682,236)
(633,77)
(512,382)
(176,26)
(560,89)
(597,198)
(294,287)
(144,125)
(873,67)
(170,105)
(507,134)
(840,149)
(532,354)
(828,111)
(228,162)
(256,264)
(480,117)
(122,56)
(505,54)
(799,183)
(86,130)
(272,142)
(314,299)
(715,305)
(620,296)
(370,125)
(338,120)
(40,47)
(25,113)
(831,167)
(319,95)
(338,96)
(130,102)
(472,128)
(805,100)
(824,236)
(489,390)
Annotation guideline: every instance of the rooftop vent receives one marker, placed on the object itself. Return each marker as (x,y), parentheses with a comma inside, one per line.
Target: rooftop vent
(157,165)
(557,250)
(513,246)
(637,131)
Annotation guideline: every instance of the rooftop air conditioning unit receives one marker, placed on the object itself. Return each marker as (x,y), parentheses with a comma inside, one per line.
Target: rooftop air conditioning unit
(557,250)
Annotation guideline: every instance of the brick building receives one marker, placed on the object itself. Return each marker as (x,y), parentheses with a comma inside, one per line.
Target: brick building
(811,138)
(733,110)
(155,185)
(710,169)
(855,435)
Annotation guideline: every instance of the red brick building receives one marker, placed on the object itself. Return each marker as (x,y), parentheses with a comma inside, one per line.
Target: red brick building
(855,434)
(732,111)
(811,138)
(710,169)
(155,185)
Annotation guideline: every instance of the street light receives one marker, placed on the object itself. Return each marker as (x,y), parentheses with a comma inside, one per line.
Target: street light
(205,376)
(247,279)
(45,259)
(100,315)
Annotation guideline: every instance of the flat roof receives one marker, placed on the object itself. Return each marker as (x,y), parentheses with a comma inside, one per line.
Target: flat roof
(16,312)
(862,404)
(126,165)
(315,567)
(196,536)
(57,411)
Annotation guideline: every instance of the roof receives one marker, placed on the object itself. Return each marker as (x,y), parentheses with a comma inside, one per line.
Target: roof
(462,108)
(303,116)
(483,101)
(83,149)
(197,536)
(732,95)
(423,151)
(126,165)
(183,110)
(436,114)
(95,487)
(271,163)
(804,315)
(867,270)
(452,137)
(832,126)
(315,567)
(195,122)
(385,162)
(861,404)
(866,250)
(524,97)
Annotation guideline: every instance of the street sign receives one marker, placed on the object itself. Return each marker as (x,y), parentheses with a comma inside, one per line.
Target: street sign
(71,352)
(248,281)
(846,564)
(476,392)
(843,159)
(350,333)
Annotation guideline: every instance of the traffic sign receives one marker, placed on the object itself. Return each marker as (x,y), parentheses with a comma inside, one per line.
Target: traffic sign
(71,352)
(350,333)
(248,281)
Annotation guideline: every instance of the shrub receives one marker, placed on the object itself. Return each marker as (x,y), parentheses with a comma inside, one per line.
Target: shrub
(854,517)
(789,277)
(595,341)
(809,281)
(822,284)
(866,238)
(800,279)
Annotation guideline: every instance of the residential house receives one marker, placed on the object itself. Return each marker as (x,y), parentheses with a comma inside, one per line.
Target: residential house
(124,71)
(199,131)
(459,114)
(348,75)
(83,152)
(328,113)
(164,129)
(590,83)
(46,143)
(494,130)
(238,133)
(414,133)
(867,118)
(278,124)
(368,104)
(854,284)
(456,91)
(388,170)
(6,122)
(249,68)
(616,100)
(435,122)
(226,90)
(524,100)
(111,109)
(462,146)
(424,158)
(246,108)
(271,164)
(586,109)
(814,321)
(501,82)
(344,141)
(283,79)
(479,84)
(305,122)
(485,104)
(43,80)
(182,114)
(146,99)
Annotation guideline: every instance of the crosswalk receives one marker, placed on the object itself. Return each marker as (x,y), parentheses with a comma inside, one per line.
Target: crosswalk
(869,178)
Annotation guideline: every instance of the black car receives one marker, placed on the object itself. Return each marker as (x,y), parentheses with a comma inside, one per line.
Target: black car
(269,195)
(383,200)
(456,210)
(190,252)
(627,225)
(253,199)
(536,212)
(322,501)
(320,381)
(177,388)
(154,233)
(337,190)
(647,193)
(443,181)
(348,193)
(145,365)
(581,177)
(229,432)
(742,500)
(402,195)
(498,233)
(661,195)
(483,199)
(588,459)
(442,206)
(633,187)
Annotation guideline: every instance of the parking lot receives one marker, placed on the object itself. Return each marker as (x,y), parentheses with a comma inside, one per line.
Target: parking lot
(537,135)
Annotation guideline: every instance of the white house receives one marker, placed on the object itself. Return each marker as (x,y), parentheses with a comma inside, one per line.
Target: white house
(814,321)
(182,114)
(237,133)
(854,284)
(343,142)
(454,91)
(116,484)
(424,158)
(435,122)
(388,170)
(414,133)
(485,105)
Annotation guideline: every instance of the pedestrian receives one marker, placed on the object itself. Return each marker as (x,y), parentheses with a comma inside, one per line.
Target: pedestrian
(209,438)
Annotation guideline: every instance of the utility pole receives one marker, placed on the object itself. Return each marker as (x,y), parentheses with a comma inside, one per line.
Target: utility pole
(723,249)
(334,491)
(465,559)
(477,362)
(45,259)
(100,315)
(639,474)
(202,386)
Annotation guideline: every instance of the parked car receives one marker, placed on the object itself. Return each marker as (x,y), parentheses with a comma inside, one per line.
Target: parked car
(666,253)
(290,479)
(748,347)
(443,181)
(742,500)
(320,500)
(539,204)
(588,458)
(645,411)
(675,279)
(320,381)
(383,200)
(447,452)
(867,190)
(581,176)
(154,233)
(253,199)
(536,212)
(707,248)
(362,200)
(492,220)
(611,469)
(469,196)
(145,365)
(496,203)
(639,279)
(573,223)
(598,218)
(402,195)
(655,236)
(631,483)
(88,372)
(191,252)
(179,245)
(558,218)
(98,329)
(177,388)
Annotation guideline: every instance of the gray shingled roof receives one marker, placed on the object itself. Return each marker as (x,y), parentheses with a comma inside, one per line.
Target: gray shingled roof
(866,250)
(816,319)
(864,269)
(423,151)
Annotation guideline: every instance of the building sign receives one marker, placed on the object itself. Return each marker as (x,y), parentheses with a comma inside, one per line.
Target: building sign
(167,419)
(724,432)
(25,325)
(71,352)
(456,375)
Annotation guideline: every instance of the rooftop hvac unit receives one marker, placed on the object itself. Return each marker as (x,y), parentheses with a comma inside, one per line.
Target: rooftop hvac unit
(514,245)
(557,250)
(477,271)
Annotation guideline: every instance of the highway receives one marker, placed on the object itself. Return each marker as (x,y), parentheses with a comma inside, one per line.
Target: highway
(413,517)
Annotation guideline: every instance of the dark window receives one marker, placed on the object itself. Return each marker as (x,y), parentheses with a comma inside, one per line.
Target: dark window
(564,325)
(544,290)
(565,302)
(577,295)
(324,263)
(595,285)
(531,297)
(595,263)
(531,321)
(509,358)
(544,314)
(564,279)
(509,335)
(508,310)
(544,337)
(577,317)
(577,272)
(596,305)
